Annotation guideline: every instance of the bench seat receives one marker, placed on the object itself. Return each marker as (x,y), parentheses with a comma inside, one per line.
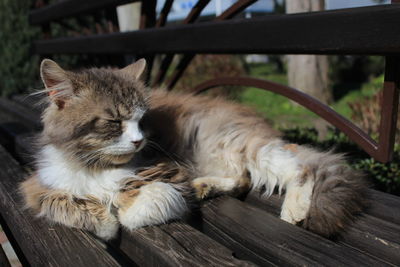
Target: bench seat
(223,232)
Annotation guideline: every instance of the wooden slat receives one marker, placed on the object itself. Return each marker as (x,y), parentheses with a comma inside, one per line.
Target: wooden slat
(176,244)
(41,243)
(3,258)
(327,32)
(69,8)
(274,240)
(385,207)
(369,233)
(20,113)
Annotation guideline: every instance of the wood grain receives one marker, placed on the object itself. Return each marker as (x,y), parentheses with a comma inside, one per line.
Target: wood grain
(20,113)
(275,240)
(371,233)
(175,244)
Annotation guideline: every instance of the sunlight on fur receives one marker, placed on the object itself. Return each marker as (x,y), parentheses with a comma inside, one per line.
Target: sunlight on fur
(113,152)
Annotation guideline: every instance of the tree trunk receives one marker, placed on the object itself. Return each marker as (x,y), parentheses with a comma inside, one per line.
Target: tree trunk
(308,73)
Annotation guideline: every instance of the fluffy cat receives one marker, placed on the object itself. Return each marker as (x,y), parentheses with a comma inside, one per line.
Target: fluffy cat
(113,152)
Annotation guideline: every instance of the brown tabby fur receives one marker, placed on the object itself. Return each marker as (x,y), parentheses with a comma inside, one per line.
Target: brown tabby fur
(198,145)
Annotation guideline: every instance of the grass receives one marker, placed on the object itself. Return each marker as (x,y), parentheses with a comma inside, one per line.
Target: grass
(282,112)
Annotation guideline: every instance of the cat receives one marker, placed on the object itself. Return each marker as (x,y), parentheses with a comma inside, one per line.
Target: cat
(115,153)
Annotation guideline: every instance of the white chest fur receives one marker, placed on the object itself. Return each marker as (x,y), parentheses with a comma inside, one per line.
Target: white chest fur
(56,171)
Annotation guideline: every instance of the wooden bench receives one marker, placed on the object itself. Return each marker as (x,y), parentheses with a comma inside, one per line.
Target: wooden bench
(225,231)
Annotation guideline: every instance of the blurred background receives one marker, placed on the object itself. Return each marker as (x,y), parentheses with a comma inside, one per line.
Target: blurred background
(349,84)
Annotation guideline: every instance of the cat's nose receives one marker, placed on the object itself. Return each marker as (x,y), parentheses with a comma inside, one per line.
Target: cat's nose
(137,143)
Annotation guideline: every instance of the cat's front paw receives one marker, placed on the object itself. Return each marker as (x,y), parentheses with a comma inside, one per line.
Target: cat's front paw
(155,203)
(107,231)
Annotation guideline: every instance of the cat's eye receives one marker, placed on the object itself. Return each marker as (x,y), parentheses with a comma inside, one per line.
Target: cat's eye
(115,121)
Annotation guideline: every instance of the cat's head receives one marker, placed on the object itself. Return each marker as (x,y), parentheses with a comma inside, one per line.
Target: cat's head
(94,114)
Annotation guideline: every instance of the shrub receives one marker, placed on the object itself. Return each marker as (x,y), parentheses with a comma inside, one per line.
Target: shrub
(18,67)
(206,67)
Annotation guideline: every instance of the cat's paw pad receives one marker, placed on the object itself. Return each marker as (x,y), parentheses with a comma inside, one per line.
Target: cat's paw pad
(201,188)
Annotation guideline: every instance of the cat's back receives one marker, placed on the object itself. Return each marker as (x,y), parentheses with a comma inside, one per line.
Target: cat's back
(189,111)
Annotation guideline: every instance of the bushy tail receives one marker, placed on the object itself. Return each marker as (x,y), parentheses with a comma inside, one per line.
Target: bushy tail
(323,193)
(339,194)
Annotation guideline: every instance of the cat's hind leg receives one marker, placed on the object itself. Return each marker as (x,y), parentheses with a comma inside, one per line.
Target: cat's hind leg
(211,185)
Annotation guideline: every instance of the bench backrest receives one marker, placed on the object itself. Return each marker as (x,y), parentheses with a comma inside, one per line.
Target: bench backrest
(356,31)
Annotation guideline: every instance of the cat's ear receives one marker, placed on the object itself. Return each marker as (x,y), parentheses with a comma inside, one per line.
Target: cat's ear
(56,81)
(136,69)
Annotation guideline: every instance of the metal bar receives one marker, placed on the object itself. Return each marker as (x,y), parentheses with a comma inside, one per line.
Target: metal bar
(162,19)
(148,20)
(191,17)
(309,102)
(186,59)
(389,112)
(195,11)
(235,9)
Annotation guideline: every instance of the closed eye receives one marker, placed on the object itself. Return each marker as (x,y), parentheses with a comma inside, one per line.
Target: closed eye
(115,121)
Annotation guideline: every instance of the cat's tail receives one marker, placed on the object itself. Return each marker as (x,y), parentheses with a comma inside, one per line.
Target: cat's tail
(339,193)
(322,193)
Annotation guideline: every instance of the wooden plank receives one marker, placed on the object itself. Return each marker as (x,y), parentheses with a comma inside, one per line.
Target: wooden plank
(176,244)
(275,240)
(370,233)
(326,32)
(69,8)
(3,258)
(8,133)
(385,206)
(34,102)
(20,113)
(41,243)
(24,148)
(382,205)
(376,237)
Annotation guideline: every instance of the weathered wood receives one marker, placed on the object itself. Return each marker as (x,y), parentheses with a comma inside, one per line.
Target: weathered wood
(275,240)
(327,32)
(3,259)
(8,132)
(69,8)
(41,243)
(376,237)
(385,206)
(176,244)
(24,148)
(20,113)
(34,102)
(381,205)
(369,233)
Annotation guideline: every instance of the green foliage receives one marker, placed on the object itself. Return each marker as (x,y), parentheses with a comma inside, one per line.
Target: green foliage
(278,109)
(385,176)
(18,67)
